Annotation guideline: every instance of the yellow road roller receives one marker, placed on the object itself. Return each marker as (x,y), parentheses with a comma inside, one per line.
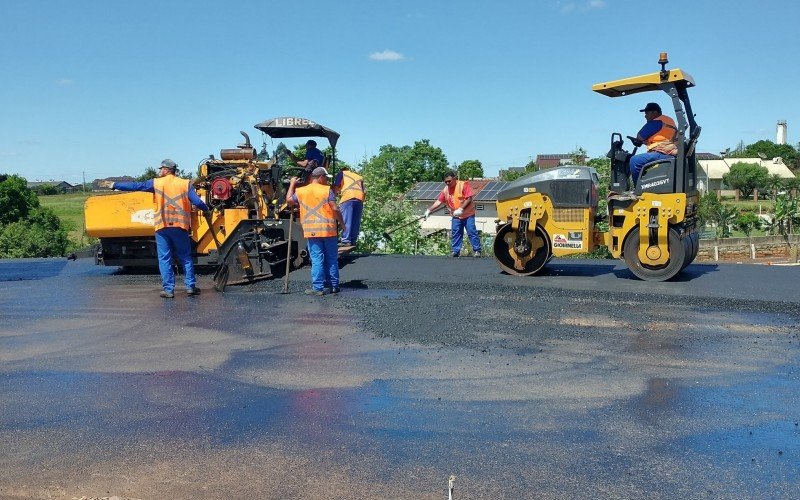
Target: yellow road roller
(651,224)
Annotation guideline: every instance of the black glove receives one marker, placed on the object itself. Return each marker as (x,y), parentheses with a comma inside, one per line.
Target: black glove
(637,142)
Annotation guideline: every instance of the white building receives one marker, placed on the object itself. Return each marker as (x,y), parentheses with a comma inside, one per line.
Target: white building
(711,170)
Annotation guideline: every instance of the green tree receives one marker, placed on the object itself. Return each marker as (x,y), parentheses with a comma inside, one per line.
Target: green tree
(578,156)
(388,176)
(726,218)
(785,215)
(470,169)
(45,190)
(515,174)
(747,222)
(746,177)
(149,173)
(40,235)
(16,200)
(708,210)
(787,152)
(774,184)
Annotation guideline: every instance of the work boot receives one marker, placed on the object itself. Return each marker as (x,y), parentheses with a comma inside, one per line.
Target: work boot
(192,291)
(167,295)
(477,254)
(335,291)
(456,254)
(311,291)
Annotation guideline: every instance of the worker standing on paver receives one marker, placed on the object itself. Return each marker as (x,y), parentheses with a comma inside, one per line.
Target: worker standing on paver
(457,195)
(318,216)
(173,197)
(350,188)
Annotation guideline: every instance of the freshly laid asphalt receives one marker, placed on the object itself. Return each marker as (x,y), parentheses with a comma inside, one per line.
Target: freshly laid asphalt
(581,382)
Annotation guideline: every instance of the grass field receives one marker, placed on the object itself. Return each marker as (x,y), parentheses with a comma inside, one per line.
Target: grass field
(69,208)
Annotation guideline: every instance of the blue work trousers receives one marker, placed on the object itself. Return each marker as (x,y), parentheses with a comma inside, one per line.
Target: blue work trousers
(457,227)
(174,242)
(324,254)
(351,212)
(639,161)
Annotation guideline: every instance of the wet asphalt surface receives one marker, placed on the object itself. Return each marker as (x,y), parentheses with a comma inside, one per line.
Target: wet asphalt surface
(582,382)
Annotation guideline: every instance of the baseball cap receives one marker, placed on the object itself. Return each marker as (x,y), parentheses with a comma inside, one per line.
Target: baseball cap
(169,164)
(651,106)
(319,172)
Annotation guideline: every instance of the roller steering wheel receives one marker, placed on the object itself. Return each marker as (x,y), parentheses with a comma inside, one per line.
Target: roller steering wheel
(636,143)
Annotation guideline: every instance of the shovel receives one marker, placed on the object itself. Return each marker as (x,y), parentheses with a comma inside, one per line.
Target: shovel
(288,254)
(221,274)
(387,234)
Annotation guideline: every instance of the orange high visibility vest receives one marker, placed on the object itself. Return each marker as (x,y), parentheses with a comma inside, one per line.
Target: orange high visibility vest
(173,208)
(316,214)
(454,201)
(664,141)
(351,186)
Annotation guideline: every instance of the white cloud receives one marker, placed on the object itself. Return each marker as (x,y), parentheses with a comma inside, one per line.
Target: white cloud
(65,81)
(583,7)
(387,55)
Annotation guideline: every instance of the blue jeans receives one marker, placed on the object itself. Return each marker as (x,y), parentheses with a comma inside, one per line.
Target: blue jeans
(174,241)
(457,227)
(351,212)
(324,262)
(639,161)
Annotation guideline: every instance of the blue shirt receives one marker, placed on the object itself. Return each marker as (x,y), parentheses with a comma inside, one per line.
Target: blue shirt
(650,128)
(147,186)
(316,155)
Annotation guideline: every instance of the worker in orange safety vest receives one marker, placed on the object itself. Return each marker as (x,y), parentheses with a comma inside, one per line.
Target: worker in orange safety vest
(457,195)
(350,188)
(319,215)
(659,134)
(173,197)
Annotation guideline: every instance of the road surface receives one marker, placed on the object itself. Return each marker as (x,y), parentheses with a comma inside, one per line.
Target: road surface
(582,382)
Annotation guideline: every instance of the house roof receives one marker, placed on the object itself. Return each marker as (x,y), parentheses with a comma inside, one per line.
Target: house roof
(483,189)
(124,178)
(554,157)
(48,183)
(707,156)
(715,169)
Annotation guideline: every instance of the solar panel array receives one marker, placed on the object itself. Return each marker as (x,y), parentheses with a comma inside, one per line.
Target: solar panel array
(431,190)
(489,193)
(426,190)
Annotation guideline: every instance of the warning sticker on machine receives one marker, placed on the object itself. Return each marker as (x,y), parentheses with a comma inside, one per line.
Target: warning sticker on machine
(145,217)
(574,241)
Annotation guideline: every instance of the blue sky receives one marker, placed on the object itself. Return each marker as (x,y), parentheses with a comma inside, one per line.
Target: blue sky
(109,88)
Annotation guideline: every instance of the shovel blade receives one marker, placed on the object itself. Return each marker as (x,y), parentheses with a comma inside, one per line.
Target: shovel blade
(221,278)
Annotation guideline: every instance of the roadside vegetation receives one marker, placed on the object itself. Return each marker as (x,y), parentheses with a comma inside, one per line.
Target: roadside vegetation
(28,229)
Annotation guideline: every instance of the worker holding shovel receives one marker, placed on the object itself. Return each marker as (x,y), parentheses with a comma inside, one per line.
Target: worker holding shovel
(457,195)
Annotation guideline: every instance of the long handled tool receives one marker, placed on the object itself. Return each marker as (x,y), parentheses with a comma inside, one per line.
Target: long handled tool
(288,254)
(221,274)
(387,234)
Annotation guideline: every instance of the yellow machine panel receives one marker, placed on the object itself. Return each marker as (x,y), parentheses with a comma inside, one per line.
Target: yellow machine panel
(119,215)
